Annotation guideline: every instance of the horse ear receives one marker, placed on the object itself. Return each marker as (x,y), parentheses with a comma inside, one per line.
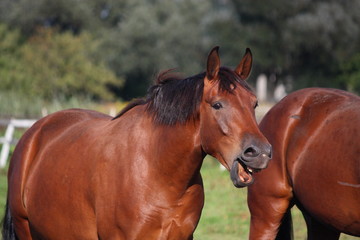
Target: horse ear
(244,67)
(213,64)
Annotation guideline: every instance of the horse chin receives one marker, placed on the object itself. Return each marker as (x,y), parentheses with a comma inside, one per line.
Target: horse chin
(240,174)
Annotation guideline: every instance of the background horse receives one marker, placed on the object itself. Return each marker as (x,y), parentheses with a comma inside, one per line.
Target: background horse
(80,174)
(316,165)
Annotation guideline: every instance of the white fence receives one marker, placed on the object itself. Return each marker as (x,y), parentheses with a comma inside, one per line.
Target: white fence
(8,138)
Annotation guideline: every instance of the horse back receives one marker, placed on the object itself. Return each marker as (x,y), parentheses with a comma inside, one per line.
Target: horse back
(43,132)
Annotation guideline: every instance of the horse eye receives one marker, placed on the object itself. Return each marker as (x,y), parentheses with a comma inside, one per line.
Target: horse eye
(217,105)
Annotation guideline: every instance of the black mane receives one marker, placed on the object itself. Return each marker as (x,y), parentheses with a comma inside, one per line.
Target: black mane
(175,100)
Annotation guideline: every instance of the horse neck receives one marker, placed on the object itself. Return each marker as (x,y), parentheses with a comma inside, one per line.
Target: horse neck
(171,153)
(178,151)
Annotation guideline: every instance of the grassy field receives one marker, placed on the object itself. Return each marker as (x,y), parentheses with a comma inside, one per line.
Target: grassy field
(225,215)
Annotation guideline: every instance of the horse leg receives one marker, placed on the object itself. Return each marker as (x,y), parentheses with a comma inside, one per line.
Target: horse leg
(23,230)
(10,223)
(270,216)
(286,227)
(318,231)
(8,231)
(270,199)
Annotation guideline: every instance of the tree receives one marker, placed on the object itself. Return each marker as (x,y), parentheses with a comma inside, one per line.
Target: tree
(350,74)
(303,39)
(320,40)
(139,38)
(52,65)
(307,41)
(66,15)
(153,36)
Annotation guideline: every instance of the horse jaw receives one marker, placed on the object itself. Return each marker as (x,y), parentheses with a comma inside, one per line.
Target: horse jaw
(241,175)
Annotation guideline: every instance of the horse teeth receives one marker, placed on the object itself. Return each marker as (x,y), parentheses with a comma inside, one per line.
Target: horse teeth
(250,170)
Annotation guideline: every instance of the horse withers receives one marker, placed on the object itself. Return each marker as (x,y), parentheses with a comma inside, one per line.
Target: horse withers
(80,174)
(316,165)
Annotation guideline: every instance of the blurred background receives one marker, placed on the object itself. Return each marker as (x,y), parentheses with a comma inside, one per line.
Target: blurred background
(65,53)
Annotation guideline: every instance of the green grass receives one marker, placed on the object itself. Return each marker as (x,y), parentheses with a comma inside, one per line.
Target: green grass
(14,106)
(3,191)
(225,215)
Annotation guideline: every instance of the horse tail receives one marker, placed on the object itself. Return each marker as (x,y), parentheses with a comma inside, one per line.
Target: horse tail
(8,231)
(286,227)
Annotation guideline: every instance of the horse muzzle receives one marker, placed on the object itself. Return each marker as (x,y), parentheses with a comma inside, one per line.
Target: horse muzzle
(252,159)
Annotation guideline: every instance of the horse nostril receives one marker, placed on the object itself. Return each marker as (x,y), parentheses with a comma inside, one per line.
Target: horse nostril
(251,152)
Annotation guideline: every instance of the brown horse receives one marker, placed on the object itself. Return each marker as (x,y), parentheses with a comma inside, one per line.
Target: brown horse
(315,134)
(79,174)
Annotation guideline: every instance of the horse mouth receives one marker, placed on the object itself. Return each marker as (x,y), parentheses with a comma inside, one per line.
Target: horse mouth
(241,175)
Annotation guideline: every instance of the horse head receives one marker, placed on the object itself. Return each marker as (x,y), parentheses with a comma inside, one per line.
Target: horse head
(228,127)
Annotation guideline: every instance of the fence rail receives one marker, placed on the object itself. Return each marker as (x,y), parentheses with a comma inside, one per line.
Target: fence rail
(8,138)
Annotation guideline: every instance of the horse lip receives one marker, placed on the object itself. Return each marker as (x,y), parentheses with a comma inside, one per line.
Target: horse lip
(237,180)
(245,164)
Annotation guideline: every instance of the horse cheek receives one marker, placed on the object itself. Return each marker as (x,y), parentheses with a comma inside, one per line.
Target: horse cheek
(224,127)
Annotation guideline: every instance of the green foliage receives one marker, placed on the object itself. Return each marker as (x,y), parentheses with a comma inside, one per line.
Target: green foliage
(139,38)
(302,40)
(52,65)
(28,15)
(14,105)
(333,32)
(304,43)
(145,41)
(350,74)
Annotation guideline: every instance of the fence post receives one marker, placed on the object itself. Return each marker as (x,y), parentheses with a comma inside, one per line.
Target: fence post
(6,145)
(261,87)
